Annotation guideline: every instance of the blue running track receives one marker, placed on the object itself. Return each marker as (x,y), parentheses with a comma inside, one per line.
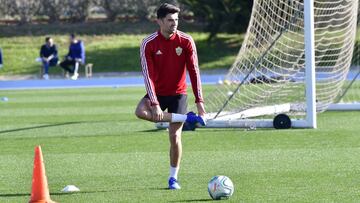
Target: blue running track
(87,83)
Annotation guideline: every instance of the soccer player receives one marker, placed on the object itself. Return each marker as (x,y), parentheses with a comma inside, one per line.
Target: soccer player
(75,56)
(165,56)
(49,56)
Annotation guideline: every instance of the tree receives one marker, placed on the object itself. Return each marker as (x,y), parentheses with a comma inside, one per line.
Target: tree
(78,11)
(3,8)
(53,9)
(145,9)
(221,15)
(113,8)
(142,9)
(25,9)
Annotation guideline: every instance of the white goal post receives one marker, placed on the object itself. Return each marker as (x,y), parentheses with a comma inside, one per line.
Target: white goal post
(310,119)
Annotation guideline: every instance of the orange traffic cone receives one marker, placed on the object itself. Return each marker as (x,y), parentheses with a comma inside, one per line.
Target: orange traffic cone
(39,190)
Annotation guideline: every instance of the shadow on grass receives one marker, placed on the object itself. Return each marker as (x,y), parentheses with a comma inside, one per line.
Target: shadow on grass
(15,195)
(159,188)
(235,129)
(212,130)
(52,193)
(74,193)
(152,130)
(28,194)
(38,127)
(194,200)
(114,59)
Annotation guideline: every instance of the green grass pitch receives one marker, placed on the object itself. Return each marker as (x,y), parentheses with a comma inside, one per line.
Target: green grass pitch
(90,138)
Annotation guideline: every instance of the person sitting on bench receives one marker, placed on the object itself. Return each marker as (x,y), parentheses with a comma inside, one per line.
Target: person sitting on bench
(75,57)
(49,56)
(1,61)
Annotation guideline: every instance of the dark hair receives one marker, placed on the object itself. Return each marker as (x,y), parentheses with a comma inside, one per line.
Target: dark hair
(47,39)
(165,9)
(72,35)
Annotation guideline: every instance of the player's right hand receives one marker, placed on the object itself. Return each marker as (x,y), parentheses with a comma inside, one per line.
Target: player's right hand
(157,113)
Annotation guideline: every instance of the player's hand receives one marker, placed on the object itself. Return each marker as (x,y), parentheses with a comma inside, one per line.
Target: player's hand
(201,109)
(157,113)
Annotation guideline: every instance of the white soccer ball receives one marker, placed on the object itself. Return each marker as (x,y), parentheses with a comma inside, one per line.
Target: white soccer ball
(220,187)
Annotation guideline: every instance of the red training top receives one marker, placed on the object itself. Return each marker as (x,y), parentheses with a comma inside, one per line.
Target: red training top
(163,64)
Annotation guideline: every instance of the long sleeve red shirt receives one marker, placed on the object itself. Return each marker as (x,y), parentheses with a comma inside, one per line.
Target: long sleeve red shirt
(164,63)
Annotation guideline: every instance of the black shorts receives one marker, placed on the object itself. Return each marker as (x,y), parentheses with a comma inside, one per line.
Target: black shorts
(173,104)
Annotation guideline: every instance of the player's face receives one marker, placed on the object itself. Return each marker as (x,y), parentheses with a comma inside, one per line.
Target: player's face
(169,24)
(72,40)
(50,42)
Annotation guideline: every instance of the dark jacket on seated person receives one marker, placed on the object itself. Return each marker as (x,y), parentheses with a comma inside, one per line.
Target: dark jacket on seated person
(47,51)
(77,51)
(1,61)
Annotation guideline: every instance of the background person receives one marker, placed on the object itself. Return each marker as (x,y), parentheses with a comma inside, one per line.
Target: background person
(165,57)
(49,56)
(1,60)
(75,57)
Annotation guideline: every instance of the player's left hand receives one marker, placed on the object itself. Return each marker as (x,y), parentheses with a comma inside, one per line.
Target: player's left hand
(201,109)
(157,113)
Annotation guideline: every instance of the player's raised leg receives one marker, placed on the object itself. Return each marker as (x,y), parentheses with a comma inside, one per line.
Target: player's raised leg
(145,111)
(175,130)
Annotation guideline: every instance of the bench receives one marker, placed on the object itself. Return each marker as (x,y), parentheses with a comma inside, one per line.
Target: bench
(88,69)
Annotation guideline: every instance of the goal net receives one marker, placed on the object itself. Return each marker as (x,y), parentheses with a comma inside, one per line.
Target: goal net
(349,97)
(268,76)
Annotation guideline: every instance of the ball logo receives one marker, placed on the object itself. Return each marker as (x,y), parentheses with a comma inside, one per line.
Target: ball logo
(220,187)
(178,51)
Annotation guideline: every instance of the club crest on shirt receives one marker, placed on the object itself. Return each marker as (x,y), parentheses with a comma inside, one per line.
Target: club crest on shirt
(178,50)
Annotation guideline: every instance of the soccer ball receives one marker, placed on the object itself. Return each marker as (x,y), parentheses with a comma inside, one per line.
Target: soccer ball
(220,187)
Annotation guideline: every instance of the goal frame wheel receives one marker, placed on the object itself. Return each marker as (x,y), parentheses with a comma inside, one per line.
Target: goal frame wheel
(282,121)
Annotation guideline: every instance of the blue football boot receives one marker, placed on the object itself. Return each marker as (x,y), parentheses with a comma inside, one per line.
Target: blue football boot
(193,119)
(173,184)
